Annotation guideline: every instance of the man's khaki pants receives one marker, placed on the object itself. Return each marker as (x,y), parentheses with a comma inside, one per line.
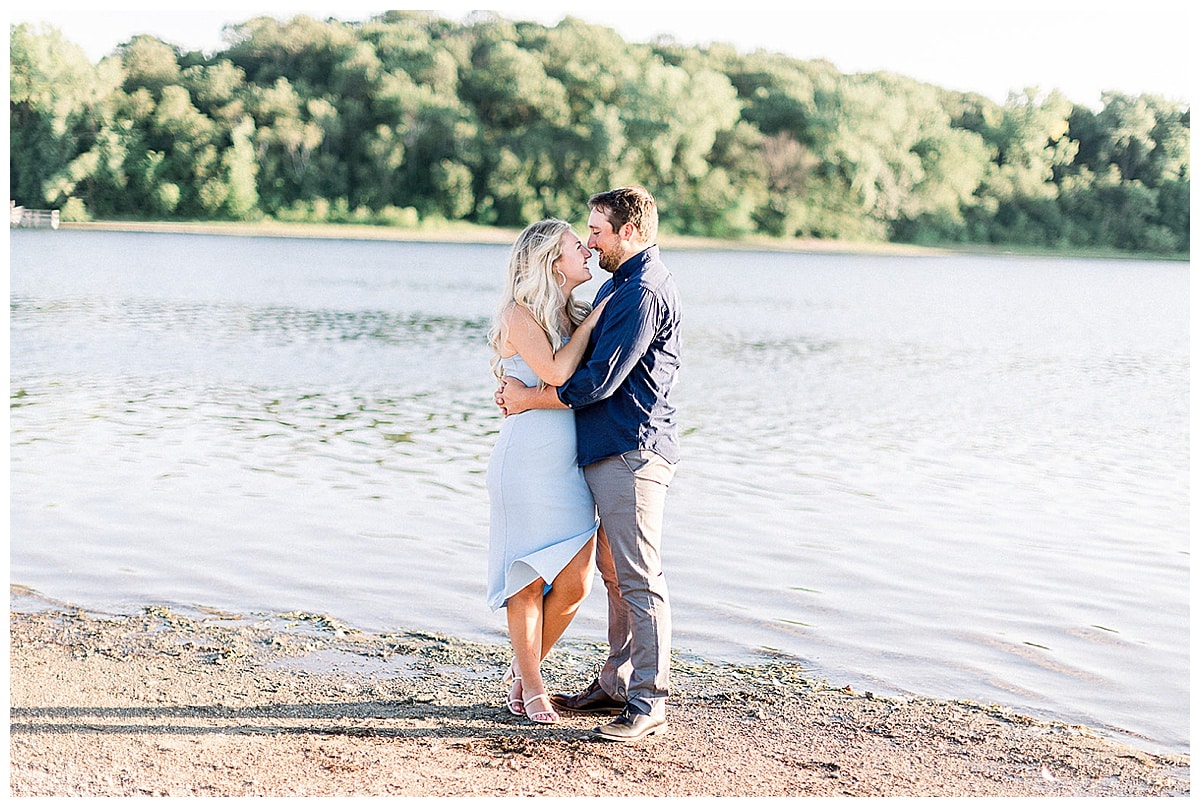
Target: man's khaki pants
(630,492)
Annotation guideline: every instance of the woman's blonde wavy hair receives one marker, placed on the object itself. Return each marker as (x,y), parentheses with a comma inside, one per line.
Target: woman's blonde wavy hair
(532,283)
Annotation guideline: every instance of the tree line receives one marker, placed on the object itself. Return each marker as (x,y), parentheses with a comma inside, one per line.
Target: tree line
(408,118)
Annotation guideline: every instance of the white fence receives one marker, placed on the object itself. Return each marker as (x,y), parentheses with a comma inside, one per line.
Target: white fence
(24,217)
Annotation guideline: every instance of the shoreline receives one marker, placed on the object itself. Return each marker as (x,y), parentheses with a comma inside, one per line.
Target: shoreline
(461,233)
(158,703)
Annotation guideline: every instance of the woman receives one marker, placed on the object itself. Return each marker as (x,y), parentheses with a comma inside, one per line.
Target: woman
(543,520)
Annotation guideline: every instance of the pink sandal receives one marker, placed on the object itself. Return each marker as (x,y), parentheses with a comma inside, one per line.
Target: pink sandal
(544,717)
(514,703)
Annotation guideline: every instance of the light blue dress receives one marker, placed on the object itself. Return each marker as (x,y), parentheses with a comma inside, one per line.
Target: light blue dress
(542,512)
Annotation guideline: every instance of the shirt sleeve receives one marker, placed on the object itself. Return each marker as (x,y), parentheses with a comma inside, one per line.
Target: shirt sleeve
(622,337)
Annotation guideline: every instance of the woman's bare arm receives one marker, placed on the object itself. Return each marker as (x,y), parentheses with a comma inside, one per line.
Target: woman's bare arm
(523,335)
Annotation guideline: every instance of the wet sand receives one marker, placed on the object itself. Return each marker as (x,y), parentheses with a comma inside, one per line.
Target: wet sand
(160,703)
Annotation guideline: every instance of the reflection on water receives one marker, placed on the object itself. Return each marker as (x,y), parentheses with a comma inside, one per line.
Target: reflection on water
(222,324)
(961,478)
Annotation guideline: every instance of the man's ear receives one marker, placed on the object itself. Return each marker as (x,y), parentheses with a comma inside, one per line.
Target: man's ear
(628,231)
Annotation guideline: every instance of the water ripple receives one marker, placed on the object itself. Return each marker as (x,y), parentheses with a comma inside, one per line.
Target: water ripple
(964,478)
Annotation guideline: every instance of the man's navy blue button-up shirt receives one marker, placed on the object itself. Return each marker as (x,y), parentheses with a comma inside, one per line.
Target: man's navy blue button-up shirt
(619,393)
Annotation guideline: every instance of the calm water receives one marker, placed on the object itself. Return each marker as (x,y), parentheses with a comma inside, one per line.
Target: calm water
(960,477)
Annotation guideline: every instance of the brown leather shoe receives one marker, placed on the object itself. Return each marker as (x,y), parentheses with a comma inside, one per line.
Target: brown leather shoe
(592,701)
(630,727)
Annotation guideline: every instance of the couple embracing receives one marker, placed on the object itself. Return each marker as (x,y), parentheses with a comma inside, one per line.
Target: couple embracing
(578,477)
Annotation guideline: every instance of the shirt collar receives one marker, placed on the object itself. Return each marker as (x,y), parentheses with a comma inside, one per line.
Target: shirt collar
(635,264)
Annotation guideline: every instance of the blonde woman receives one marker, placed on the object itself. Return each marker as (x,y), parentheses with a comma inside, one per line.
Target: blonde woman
(543,519)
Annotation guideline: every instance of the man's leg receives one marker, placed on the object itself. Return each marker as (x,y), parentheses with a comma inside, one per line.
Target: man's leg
(614,676)
(630,493)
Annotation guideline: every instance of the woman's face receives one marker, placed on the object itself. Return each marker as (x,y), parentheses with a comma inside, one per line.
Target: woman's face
(572,263)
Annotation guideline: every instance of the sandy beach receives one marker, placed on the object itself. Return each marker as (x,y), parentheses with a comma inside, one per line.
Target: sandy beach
(461,232)
(164,704)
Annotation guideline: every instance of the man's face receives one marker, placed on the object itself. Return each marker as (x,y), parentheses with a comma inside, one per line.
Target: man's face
(604,242)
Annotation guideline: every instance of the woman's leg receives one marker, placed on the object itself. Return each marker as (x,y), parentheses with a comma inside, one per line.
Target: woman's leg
(524,611)
(570,589)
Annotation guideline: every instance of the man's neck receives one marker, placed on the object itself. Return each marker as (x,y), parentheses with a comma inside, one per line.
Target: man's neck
(635,249)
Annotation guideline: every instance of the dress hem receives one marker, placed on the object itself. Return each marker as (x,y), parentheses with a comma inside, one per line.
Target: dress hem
(531,562)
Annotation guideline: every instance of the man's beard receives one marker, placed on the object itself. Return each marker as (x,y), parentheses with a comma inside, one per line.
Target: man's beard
(609,262)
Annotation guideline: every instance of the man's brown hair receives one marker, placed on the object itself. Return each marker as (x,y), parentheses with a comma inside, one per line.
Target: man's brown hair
(632,205)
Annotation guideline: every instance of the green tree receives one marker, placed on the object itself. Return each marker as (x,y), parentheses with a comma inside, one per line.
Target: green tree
(593,65)
(1128,126)
(409,116)
(285,142)
(1019,195)
(1170,159)
(149,64)
(56,110)
(241,172)
(219,91)
(1130,183)
(522,112)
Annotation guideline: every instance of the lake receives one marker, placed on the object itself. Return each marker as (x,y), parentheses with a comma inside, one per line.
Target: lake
(949,476)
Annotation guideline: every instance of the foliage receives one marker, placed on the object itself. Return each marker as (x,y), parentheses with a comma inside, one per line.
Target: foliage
(408,118)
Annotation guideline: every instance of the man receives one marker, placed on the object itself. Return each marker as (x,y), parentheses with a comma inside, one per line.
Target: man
(628,447)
